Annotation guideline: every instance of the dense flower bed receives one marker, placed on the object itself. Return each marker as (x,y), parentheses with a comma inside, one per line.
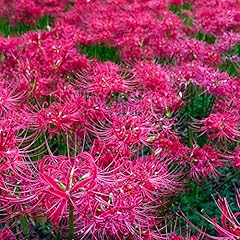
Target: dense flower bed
(100,149)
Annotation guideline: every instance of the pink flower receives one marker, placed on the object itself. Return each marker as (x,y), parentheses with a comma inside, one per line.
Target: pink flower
(221,126)
(102,80)
(6,234)
(204,162)
(64,181)
(235,157)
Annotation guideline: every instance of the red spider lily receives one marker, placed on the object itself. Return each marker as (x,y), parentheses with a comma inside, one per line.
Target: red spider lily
(190,50)
(118,213)
(124,115)
(10,98)
(179,237)
(56,117)
(29,11)
(7,234)
(233,157)
(215,82)
(218,21)
(151,176)
(151,27)
(236,158)
(96,111)
(45,55)
(103,80)
(220,126)
(158,92)
(63,181)
(175,2)
(227,41)
(126,130)
(16,137)
(124,207)
(150,76)
(109,155)
(60,116)
(8,144)
(212,58)
(163,102)
(65,92)
(18,190)
(204,162)
(230,225)
(167,143)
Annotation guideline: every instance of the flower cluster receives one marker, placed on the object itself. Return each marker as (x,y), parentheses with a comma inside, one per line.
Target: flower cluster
(99,148)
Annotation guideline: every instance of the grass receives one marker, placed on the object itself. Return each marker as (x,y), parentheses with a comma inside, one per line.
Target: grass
(20,28)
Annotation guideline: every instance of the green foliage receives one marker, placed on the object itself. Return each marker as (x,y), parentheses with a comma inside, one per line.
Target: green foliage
(206,38)
(230,65)
(198,198)
(20,28)
(178,10)
(197,105)
(100,52)
(42,230)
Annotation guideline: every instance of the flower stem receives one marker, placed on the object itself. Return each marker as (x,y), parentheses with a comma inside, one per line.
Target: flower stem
(71,224)
(57,234)
(190,109)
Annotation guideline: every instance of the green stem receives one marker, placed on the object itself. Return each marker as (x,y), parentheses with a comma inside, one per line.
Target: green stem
(24,225)
(190,114)
(71,224)
(211,103)
(57,234)
(190,136)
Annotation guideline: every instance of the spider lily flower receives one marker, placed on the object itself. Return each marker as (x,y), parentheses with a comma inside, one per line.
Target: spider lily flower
(230,226)
(121,216)
(116,210)
(102,80)
(10,97)
(236,158)
(126,130)
(121,117)
(220,126)
(31,11)
(64,180)
(180,237)
(150,76)
(167,143)
(6,233)
(109,155)
(204,162)
(152,176)
(233,157)
(60,116)
(18,190)
(218,21)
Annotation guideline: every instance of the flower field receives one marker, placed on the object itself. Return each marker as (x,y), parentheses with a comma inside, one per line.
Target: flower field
(120,119)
